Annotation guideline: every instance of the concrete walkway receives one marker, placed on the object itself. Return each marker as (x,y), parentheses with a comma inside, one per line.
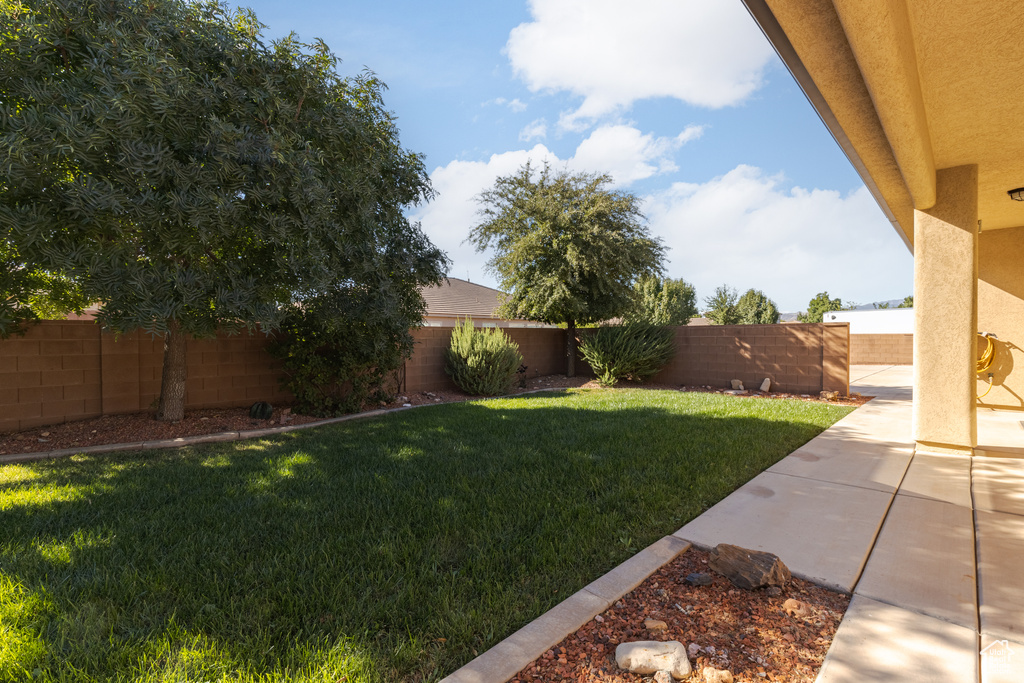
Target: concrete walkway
(930,547)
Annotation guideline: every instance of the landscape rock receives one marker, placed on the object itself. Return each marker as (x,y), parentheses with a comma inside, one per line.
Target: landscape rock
(663,677)
(736,384)
(748,569)
(774,591)
(693,649)
(796,608)
(766,385)
(713,675)
(829,395)
(655,625)
(735,392)
(649,656)
(699,579)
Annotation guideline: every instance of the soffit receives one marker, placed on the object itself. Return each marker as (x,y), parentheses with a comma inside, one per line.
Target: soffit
(970,59)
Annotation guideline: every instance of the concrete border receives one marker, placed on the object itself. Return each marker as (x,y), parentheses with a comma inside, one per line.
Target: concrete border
(507,658)
(184,441)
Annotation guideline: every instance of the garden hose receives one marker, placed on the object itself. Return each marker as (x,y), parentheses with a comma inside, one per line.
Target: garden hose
(985,362)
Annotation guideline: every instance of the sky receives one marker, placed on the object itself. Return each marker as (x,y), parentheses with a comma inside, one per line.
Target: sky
(683,102)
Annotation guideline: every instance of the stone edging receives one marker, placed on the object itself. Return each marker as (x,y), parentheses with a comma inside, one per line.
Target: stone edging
(510,656)
(183,441)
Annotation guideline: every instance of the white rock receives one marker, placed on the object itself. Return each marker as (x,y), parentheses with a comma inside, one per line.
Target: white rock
(766,385)
(693,649)
(649,656)
(713,675)
(663,677)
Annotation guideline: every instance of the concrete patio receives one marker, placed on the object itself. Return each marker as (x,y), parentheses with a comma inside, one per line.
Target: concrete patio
(930,547)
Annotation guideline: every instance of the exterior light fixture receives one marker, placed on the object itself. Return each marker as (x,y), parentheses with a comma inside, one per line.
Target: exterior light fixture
(1017,194)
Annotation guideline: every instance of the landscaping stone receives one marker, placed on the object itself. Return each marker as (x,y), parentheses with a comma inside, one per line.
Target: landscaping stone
(736,384)
(774,591)
(649,656)
(663,677)
(748,569)
(655,625)
(699,579)
(735,392)
(713,675)
(796,608)
(766,385)
(829,395)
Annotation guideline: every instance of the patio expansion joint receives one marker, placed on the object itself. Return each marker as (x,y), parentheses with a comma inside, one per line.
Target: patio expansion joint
(886,489)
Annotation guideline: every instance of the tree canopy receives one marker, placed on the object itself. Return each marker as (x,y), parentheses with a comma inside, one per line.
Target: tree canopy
(754,308)
(662,302)
(567,248)
(720,307)
(819,306)
(189,177)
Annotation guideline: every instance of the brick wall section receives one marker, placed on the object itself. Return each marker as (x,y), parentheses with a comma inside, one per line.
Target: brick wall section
(543,351)
(882,349)
(798,358)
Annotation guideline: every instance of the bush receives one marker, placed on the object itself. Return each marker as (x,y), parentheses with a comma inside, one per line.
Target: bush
(482,362)
(634,351)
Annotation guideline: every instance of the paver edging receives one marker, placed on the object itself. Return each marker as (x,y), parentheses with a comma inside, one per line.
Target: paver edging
(507,658)
(183,441)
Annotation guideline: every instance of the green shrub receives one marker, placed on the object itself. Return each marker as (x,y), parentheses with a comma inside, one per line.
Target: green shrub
(633,351)
(482,362)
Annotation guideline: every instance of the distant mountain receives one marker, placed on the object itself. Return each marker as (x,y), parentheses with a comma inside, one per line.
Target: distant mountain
(893,303)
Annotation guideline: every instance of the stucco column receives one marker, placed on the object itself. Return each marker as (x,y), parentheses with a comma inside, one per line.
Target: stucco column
(946,314)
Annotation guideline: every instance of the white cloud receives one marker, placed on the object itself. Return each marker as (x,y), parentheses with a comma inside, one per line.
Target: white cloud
(535,130)
(743,229)
(612,53)
(515,105)
(627,154)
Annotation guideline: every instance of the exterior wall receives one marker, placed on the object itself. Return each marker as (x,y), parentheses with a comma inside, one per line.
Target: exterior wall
(798,358)
(68,370)
(881,349)
(1001,311)
(63,370)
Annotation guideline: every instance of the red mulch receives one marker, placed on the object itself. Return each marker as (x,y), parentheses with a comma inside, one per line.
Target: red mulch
(746,632)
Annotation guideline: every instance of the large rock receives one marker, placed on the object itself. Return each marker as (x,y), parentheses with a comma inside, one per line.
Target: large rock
(748,568)
(650,656)
(737,384)
(766,385)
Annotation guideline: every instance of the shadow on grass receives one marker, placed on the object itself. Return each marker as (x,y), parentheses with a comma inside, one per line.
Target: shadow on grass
(352,550)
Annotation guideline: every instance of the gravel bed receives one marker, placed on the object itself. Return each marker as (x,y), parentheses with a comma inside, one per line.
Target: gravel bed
(745,632)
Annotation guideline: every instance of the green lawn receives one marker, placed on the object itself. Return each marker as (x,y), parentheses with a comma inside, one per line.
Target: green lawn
(384,549)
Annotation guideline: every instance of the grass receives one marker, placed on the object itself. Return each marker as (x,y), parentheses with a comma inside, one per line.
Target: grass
(386,549)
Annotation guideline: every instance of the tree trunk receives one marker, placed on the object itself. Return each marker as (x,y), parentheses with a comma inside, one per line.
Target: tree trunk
(172,386)
(570,349)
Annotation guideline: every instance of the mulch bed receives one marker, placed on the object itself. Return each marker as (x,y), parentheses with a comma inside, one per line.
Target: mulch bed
(745,632)
(137,427)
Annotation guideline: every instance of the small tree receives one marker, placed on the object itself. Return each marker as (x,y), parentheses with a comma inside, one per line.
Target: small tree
(191,178)
(662,302)
(754,308)
(721,307)
(567,249)
(818,307)
(908,302)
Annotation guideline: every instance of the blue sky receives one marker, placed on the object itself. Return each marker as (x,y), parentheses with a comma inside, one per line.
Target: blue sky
(683,102)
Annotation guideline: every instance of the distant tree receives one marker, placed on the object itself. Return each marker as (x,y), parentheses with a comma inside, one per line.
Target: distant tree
(662,302)
(882,306)
(908,302)
(818,307)
(567,249)
(189,177)
(754,308)
(720,307)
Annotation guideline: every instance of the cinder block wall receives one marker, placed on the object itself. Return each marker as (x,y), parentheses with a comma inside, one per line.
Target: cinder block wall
(63,370)
(882,349)
(543,351)
(798,358)
(68,370)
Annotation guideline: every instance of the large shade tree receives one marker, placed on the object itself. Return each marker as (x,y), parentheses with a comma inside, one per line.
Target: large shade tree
(720,307)
(189,177)
(819,306)
(755,308)
(567,247)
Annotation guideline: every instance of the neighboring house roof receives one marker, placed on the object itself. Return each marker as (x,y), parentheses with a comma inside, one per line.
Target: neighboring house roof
(455,298)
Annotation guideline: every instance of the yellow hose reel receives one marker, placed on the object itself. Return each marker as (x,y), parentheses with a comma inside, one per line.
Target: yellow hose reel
(985,362)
